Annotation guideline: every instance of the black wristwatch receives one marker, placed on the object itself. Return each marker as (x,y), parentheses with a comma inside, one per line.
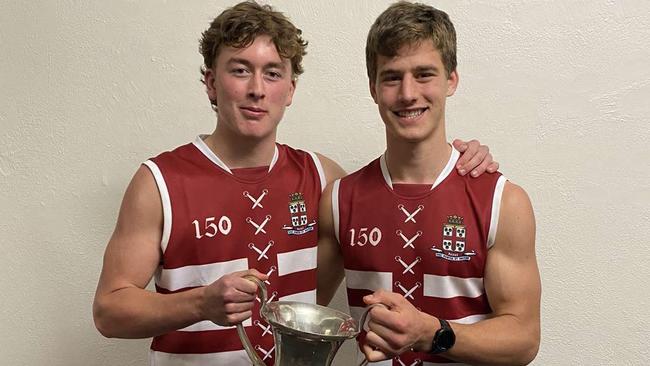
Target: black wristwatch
(444,338)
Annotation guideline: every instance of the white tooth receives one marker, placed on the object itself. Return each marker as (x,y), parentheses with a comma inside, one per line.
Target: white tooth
(411,114)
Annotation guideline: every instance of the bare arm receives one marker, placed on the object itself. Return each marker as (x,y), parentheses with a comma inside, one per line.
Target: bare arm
(330,260)
(511,334)
(330,263)
(124,308)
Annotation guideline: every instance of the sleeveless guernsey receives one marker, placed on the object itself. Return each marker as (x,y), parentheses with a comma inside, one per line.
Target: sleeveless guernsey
(429,245)
(216,223)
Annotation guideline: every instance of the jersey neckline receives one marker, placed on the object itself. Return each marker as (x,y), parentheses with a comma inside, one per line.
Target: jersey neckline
(446,171)
(203,148)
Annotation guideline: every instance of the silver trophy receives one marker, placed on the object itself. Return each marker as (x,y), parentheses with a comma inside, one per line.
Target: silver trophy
(305,334)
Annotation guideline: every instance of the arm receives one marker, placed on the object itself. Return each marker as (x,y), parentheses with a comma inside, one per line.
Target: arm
(330,262)
(124,308)
(330,259)
(475,158)
(511,334)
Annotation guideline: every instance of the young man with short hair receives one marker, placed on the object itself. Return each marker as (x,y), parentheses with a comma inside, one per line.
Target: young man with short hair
(452,258)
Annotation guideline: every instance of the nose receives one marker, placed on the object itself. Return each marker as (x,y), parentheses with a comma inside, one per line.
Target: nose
(407,92)
(256,87)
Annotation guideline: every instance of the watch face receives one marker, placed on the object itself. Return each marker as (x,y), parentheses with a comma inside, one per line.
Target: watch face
(445,339)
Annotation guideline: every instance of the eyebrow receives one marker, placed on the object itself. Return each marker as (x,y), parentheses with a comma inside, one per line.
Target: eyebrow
(245,62)
(417,69)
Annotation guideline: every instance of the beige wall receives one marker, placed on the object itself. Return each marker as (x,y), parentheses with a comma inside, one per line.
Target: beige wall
(560,90)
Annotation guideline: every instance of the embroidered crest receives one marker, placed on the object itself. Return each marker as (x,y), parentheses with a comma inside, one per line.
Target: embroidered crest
(453,241)
(298,212)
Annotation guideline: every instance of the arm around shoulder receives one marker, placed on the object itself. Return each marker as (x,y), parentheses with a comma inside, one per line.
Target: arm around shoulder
(330,261)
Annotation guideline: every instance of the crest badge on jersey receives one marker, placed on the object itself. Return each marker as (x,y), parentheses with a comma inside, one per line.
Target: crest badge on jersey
(453,246)
(298,212)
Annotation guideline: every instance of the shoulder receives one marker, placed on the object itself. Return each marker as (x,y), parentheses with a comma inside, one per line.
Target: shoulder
(515,199)
(332,169)
(516,219)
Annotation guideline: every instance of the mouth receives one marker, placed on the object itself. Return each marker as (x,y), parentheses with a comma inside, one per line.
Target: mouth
(410,113)
(253,112)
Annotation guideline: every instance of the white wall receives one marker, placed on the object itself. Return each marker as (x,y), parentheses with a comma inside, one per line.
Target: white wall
(558,89)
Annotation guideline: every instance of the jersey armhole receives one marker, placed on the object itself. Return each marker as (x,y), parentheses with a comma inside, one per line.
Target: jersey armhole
(496,208)
(166,202)
(319,168)
(335,208)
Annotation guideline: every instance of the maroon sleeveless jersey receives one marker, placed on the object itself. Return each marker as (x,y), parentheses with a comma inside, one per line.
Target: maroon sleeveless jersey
(217,222)
(427,243)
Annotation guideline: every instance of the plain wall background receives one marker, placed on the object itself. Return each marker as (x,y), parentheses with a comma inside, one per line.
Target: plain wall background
(560,91)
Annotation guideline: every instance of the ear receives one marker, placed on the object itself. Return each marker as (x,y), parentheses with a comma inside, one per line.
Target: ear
(209,78)
(452,83)
(292,89)
(372,84)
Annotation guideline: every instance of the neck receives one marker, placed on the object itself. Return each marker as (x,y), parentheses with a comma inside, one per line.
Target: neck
(241,152)
(416,162)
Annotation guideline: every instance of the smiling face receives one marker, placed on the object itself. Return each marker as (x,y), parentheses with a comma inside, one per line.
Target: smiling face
(251,88)
(410,90)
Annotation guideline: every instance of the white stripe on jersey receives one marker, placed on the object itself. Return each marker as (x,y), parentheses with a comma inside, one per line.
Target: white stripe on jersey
(208,325)
(199,275)
(335,208)
(449,286)
(469,319)
(319,168)
(451,163)
(296,261)
(166,203)
(307,296)
(449,167)
(496,208)
(369,280)
(234,358)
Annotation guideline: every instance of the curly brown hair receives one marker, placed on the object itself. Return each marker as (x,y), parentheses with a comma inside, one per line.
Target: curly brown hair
(241,24)
(405,23)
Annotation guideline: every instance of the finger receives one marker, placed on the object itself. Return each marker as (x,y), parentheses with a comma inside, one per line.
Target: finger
(493,167)
(482,167)
(251,272)
(372,354)
(382,327)
(233,319)
(460,145)
(233,308)
(470,152)
(390,299)
(481,154)
(239,297)
(258,274)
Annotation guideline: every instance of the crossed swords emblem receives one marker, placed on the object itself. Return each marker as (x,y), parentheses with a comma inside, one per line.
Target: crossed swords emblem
(267,354)
(259,227)
(257,202)
(416,362)
(407,267)
(408,241)
(407,293)
(261,252)
(410,216)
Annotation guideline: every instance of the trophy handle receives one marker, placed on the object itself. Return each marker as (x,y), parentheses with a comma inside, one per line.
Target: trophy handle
(257,361)
(362,323)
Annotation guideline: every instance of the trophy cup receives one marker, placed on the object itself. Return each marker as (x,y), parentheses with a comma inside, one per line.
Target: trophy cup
(305,334)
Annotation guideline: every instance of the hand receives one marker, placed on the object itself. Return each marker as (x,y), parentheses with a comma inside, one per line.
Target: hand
(230,299)
(475,158)
(395,330)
